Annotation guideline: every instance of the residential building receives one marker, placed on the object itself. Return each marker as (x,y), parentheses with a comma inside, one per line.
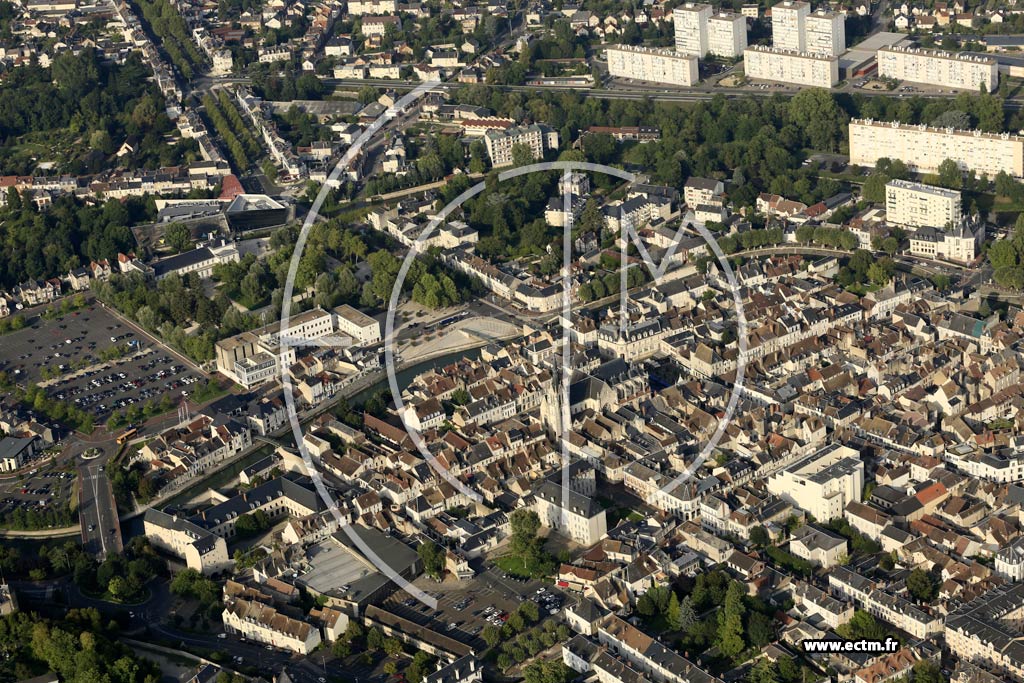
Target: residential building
(655,66)
(537,137)
(788,19)
(691,28)
(727,35)
(825,33)
(264,624)
(923,148)
(361,7)
(918,205)
(987,631)
(936,67)
(789,66)
(817,546)
(698,191)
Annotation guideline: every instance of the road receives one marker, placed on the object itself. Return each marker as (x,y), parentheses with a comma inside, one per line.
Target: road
(101,530)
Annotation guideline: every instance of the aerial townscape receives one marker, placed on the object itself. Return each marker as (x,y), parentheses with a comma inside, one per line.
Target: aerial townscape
(553,341)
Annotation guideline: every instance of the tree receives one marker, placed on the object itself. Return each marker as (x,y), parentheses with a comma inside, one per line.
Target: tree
(433,558)
(922,586)
(687,614)
(759,536)
(730,625)
(950,175)
(674,615)
(178,237)
(491,635)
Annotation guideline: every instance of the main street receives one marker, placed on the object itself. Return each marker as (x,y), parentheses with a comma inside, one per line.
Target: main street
(101,533)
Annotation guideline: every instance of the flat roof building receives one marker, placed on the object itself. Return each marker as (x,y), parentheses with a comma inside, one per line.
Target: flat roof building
(923,148)
(919,205)
(654,66)
(935,67)
(691,28)
(788,66)
(727,34)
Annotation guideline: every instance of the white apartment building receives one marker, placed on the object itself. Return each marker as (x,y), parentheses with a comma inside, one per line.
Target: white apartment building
(788,19)
(360,7)
(825,33)
(923,148)
(788,66)
(655,66)
(727,35)
(264,624)
(691,26)
(918,205)
(538,137)
(822,483)
(356,324)
(574,515)
(935,67)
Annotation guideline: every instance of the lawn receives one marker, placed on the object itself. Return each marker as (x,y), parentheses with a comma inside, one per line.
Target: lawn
(514,566)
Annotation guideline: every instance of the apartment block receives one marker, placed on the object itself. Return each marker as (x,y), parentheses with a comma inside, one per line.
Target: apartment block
(537,137)
(727,35)
(822,483)
(356,324)
(691,26)
(264,624)
(825,33)
(789,66)
(788,19)
(987,631)
(919,205)
(655,66)
(923,148)
(935,67)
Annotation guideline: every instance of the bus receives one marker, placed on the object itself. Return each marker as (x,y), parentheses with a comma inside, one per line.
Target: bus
(127,435)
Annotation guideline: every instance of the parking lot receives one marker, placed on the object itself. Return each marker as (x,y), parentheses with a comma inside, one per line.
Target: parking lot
(465,608)
(36,491)
(146,376)
(67,356)
(44,344)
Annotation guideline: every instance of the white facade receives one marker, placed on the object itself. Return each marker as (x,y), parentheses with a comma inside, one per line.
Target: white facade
(787,66)
(788,24)
(825,33)
(935,67)
(360,7)
(918,205)
(691,26)
(822,483)
(923,148)
(727,35)
(356,324)
(655,66)
(539,138)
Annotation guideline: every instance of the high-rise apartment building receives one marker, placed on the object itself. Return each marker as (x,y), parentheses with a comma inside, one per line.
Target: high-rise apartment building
(691,26)
(919,205)
(935,67)
(537,137)
(788,24)
(825,33)
(788,66)
(727,34)
(923,148)
(655,66)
